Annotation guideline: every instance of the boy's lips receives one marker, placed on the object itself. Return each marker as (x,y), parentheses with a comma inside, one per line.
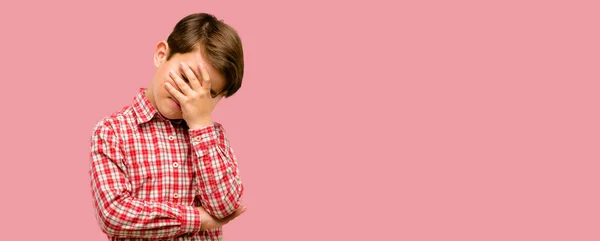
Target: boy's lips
(176,103)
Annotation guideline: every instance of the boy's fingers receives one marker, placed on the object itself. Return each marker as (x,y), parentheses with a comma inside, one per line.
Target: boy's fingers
(207,84)
(235,214)
(205,77)
(191,76)
(184,87)
(178,95)
(231,217)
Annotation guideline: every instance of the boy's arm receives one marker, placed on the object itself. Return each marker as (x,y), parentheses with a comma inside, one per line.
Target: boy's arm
(219,185)
(118,213)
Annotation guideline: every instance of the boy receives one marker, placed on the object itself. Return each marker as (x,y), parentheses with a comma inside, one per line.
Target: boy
(159,167)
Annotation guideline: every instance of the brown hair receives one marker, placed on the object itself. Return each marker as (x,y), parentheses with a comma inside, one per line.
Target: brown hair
(220,43)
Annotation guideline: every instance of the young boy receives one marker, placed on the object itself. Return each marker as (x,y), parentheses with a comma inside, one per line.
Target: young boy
(160,168)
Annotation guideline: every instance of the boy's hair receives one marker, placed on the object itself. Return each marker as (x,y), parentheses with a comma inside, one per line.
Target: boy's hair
(220,43)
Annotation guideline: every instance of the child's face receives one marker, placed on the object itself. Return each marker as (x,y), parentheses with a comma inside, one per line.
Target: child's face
(160,98)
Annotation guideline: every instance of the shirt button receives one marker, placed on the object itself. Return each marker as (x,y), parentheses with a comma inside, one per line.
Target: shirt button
(197,139)
(175,164)
(171,138)
(175,195)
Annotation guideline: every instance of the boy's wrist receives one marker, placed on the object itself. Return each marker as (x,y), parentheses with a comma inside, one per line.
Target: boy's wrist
(200,124)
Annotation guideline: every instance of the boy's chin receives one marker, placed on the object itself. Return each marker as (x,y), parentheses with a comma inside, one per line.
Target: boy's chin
(171,114)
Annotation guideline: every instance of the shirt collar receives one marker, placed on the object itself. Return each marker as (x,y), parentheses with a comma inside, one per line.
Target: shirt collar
(145,111)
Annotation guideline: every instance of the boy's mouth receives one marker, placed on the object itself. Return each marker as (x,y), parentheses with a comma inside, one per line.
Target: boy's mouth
(176,104)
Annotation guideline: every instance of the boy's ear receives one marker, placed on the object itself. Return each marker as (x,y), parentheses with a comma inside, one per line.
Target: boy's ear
(161,53)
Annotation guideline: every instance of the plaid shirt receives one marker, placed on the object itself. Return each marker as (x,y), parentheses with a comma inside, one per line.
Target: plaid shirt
(149,175)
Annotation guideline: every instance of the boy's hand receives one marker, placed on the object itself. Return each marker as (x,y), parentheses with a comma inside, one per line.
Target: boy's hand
(209,222)
(195,99)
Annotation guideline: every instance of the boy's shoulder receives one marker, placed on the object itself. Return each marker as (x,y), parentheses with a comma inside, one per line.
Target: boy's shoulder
(117,120)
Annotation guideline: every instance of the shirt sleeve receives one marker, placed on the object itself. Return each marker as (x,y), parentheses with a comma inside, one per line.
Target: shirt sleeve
(219,185)
(118,213)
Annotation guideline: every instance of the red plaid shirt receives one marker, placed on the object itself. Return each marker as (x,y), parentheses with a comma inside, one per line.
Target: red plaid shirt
(149,175)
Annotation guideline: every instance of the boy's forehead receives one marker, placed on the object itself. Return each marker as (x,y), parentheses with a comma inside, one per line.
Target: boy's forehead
(194,57)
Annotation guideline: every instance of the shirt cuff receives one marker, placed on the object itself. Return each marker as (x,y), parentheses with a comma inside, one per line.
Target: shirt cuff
(190,220)
(205,134)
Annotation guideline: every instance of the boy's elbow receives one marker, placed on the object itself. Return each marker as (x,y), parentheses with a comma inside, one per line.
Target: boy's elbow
(107,226)
(110,224)
(111,232)
(227,206)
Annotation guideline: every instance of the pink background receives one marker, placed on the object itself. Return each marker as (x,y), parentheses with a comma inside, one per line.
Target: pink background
(373,120)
